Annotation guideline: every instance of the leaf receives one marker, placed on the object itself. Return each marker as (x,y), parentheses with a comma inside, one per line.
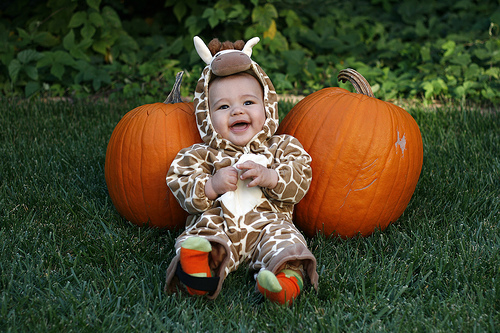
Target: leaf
(85,43)
(429,89)
(96,19)
(495,17)
(271,32)
(79,54)
(100,46)
(48,59)
(128,43)
(449,48)
(294,61)
(494,72)
(264,15)
(31,71)
(472,72)
(111,17)
(292,19)
(45,39)
(23,34)
(195,25)
(57,70)
(94,4)
(420,29)
(439,85)
(77,19)
(214,16)
(69,40)
(96,84)
(64,58)
(14,68)
(213,21)
(425,53)
(461,59)
(278,44)
(482,53)
(31,88)
(180,10)
(238,12)
(87,31)
(176,46)
(28,56)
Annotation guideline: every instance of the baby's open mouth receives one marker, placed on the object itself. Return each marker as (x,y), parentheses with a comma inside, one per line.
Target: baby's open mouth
(239,126)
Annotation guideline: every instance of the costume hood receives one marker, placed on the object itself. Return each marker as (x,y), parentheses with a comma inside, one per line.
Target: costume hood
(224,63)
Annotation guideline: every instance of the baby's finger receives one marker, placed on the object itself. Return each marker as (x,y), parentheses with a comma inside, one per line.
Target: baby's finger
(248,173)
(246,165)
(253,183)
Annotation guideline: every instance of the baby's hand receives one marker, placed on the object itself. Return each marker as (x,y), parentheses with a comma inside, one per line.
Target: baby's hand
(224,180)
(261,176)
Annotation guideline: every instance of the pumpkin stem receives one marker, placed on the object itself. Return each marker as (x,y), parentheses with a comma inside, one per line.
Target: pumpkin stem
(175,94)
(357,80)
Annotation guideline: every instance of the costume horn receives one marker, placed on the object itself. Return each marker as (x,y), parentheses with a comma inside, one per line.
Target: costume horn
(247,49)
(203,50)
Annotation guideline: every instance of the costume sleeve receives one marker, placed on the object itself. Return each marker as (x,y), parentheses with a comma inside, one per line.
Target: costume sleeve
(293,165)
(187,177)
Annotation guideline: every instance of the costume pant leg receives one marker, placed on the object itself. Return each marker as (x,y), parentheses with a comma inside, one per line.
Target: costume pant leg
(281,242)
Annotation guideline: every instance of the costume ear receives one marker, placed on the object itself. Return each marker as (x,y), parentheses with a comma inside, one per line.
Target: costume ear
(247,49)
(203,50)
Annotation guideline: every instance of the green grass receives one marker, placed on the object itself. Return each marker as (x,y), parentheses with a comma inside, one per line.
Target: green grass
(69,262)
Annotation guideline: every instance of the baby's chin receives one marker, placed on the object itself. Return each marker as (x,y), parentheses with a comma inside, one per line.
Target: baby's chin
(241,140)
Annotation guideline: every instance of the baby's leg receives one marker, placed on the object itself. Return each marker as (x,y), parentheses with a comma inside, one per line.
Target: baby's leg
(217,256)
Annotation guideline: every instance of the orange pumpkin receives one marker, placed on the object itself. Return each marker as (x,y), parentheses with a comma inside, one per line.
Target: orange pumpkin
(140,151)
(367,156)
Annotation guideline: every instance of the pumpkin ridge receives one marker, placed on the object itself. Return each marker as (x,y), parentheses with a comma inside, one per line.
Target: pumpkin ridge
(348,123)
(309,211)
(408,167)
(396,205)
(369,147)
(291,125)
(134,129)
(382,171)
(157,112)
(296,115)
(123,135)
(387,198)
(359,170)
(408,172)
(144,168)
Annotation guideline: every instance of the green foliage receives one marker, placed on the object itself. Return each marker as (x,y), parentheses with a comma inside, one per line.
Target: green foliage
(405,49)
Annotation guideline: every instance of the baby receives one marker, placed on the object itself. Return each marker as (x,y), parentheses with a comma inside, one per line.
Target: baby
(240,185)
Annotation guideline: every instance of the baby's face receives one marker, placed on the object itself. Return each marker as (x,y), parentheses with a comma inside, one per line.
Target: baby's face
(236,105)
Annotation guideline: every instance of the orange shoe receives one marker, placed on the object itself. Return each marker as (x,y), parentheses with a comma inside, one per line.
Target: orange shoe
(282,288)
(194,260)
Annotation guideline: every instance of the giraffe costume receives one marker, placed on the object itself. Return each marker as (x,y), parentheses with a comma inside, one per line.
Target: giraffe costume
(253,224)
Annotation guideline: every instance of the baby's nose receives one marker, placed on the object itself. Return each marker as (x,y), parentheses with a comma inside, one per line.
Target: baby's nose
(237,110)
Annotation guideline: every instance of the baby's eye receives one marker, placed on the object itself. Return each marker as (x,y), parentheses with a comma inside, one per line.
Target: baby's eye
(248,103)
(223,107)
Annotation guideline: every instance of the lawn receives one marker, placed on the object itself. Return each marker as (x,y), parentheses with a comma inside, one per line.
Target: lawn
(69,262)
